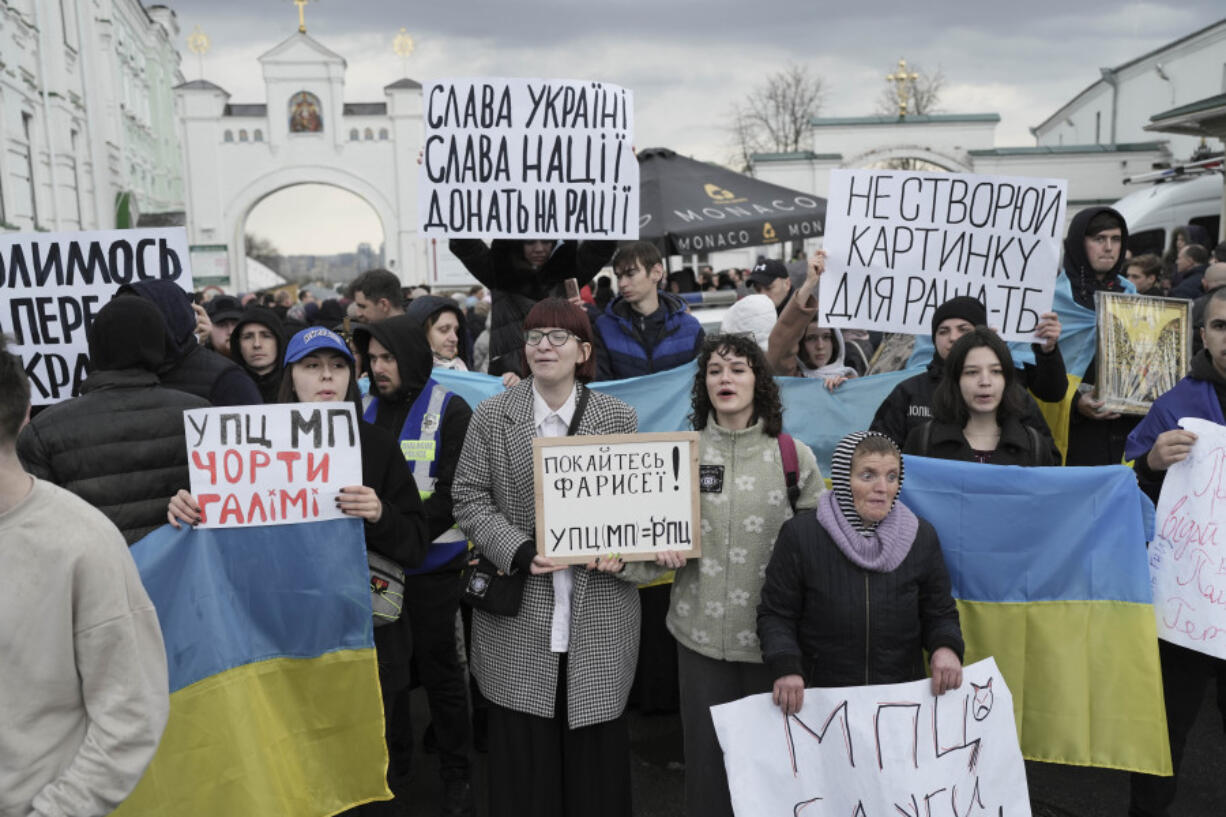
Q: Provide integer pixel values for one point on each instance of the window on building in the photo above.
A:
(1098, 127)
(257, 136)
(26, 126)
(353, 135)
(242, 135)
(368, 134)
(382, 134)
(228, 136)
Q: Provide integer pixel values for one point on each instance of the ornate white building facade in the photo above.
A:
(88, 138)
(304, 132)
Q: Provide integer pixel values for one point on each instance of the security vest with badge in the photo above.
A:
(420, 442)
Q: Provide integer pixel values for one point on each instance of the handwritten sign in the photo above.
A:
(879, 751)
(52, 285)
(1187, 562)
(520, 158)
(903, 243)
(271, 465)
(627, 494)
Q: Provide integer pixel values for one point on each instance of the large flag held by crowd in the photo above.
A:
(275, 704)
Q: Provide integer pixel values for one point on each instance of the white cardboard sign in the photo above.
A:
(1187, 562)
(271, 465)
(528, 158)
(901, 243)
(878, 751)
(53, 284)
(631, 495)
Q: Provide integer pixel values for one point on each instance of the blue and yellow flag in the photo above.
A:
(1049, 569)
(275, 706)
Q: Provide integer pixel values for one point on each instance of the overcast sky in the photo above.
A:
(688, 62)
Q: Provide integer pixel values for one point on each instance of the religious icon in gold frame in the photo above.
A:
(1144, 349)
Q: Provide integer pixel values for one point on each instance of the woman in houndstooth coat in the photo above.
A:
(557, 674)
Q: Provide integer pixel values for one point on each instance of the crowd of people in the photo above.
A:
(798, 585)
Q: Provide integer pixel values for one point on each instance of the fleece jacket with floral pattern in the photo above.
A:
(714, 605)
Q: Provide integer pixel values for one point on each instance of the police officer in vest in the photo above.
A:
(430, 423)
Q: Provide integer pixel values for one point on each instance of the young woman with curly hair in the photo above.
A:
(737, 409)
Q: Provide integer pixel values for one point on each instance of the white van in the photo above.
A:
(1154, 211)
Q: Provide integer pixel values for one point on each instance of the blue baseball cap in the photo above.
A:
(315, 339)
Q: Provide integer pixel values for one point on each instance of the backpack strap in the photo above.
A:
(791, 467)
(926, 440)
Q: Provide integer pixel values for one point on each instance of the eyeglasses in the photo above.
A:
(557, 337)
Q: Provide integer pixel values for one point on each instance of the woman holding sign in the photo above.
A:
(855, 593)
(752, 478)
(320, 369)
(555, 654)
(978, 407)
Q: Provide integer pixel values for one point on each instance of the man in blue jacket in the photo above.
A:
(643, 330)
(1155, 445)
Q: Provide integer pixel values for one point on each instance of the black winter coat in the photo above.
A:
(400, 535)
(516, 287)
(1018, 444)
(836, 624)
(119, 446)
(909, 405)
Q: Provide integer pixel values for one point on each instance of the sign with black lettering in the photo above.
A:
(52, 285)
(627, 495)
(528, 158)
(902, 243)
(271, 465)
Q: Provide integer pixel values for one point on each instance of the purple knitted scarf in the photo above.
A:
(880, 550)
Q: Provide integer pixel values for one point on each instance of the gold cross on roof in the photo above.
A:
(301, 4)
(903, 85)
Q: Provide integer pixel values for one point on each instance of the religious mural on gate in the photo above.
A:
(304, 115)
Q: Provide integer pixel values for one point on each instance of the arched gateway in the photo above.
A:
(304, 132)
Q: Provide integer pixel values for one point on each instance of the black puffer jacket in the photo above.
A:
(516, 287)
(909, 405)
(1019, 445)
(189, 366)
(837, 624)
(119, 446)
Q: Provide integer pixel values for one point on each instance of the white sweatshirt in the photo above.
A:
(83, 683)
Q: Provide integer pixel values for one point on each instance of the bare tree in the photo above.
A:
(777, 116)
(923, 94)
(262, 250)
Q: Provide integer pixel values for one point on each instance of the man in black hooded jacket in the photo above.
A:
(1093, 261)
(119, 445)
(258, 345)
(430, 422)
(187, 366)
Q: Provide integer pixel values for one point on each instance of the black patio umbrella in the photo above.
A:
(688, 206)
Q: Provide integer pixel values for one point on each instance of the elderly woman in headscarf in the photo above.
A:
(857, 591)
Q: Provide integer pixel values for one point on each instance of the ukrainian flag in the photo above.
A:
(1049, 569)
(275, 706)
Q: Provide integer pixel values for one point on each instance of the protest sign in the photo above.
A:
(271, 465)
(52, 285)
(522, 158)
(878, 751)
(1187, 564)
(902, 243)
(630, 495)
